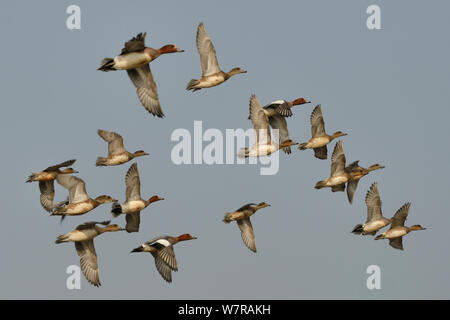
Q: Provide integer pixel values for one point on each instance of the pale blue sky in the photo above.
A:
(388, 89)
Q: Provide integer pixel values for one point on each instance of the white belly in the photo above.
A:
(212, 81)
(373, 226)
(130, 61)
(262, 150)
(395, 233)
(82, 235)
(118, 159)
(78, 208)
(317, 142)
(336, 180)
(133, 206)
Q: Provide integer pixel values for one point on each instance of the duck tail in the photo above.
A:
(107, 65)
(31, 177)
(227, 217)
(320, 185)
(192, 85)
(358, 229)
(62, 238)
(116, 209)
(302, 146)
(100, 162)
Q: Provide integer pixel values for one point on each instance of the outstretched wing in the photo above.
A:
(248, 236)
(208, 58)
(47, 189)
(400, 216)
(88, 225)
(147, 92)
(260, 121)
(351, 189)
(317, 123)
(338, 160)
(115, 141)
(396, 243)
(163, 269)
(76, 187)
(88, 261)
(133, 221)
(279, 122)
(321, 152)
(60, 165)
(373, 203)
(133, 184)
(135, 44)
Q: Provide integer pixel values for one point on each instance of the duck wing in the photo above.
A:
(400, 216)
(338, 160)
(147, 92)
(351, 189)
(281, 107)
(321, 153)
(279, 122)
(245, 207)
(133, 184)
(164, 270)
(90, 224)
(115, 141)
(88, 261)
(260, 121)
(133, 221)
(60, 165)
(168, 256)
(76, 187)
(396, 243)
(247, 234)
(208, 57)
(47, 190)
(135, 44)
(317, 123)
(373, 203)
(354, 166)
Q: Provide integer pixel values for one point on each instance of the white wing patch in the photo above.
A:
(164, 242)
(277, 102)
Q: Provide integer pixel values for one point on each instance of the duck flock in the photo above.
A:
(135, 58)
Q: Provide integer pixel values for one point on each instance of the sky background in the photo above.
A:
(388, 89)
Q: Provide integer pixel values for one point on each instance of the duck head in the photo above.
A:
(169, 48)
(185, 237)
(299, 101)
(155, 198)
(338, 134)
(263, 205)
(416, 227)
(112, 228)
(236, 71)
(140, 153)
(375, 167)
